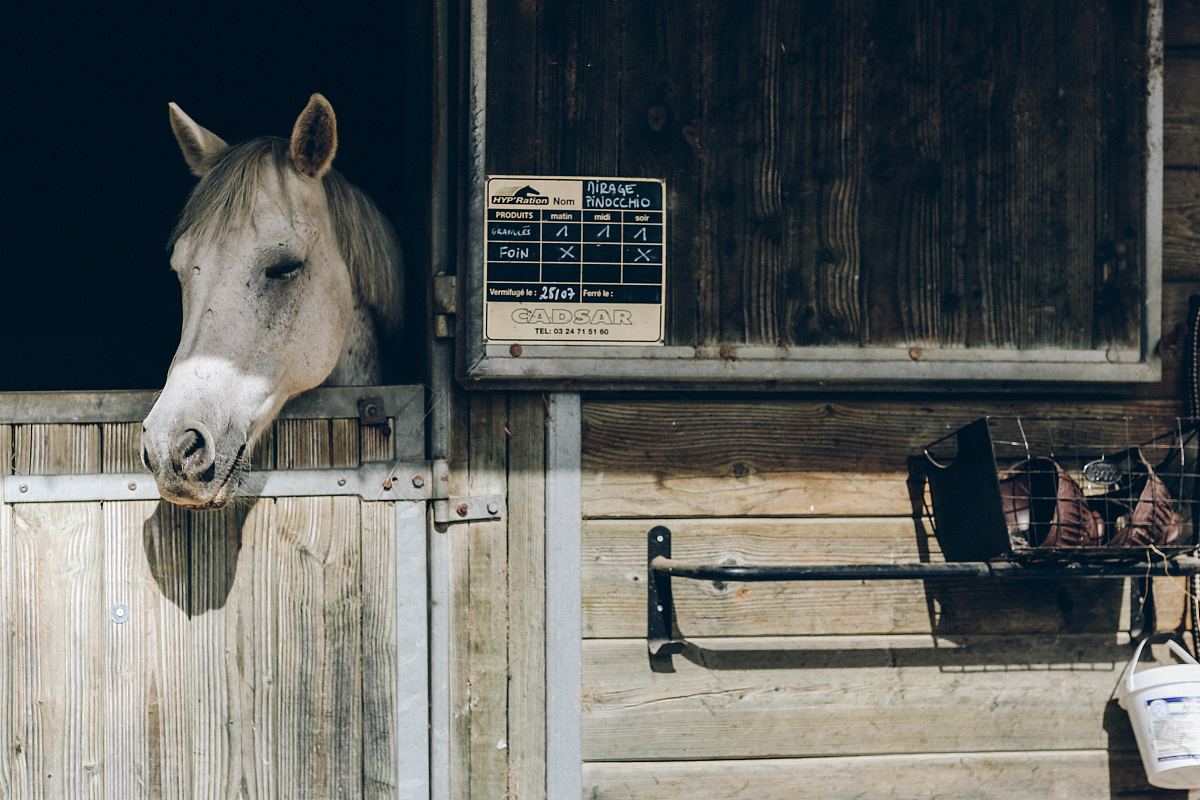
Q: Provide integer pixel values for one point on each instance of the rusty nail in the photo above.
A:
(387, 485)
(914, 353)
(461, 509)
(132, 486)
(515, 350)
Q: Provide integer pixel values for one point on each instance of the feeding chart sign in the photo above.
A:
(575, 260)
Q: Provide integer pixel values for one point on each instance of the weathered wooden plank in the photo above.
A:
(165, 540)
(130, 706)
(315, 588)
(527, 597)
(741, 180)
(221, 731)
(58, 647)
(56, 449)
(485, 607)
(1181, 23)
(693, 457)
(1181, 224)
(262, 455)
(849, 695)
(1181, 112)
(379, 651)
(7, 607)
(660, 137)
(512, 84)
(122, 447)
(302, 443)
(614, 585)
(830, 264)
(257, 603)
(344, 438)
(316, 583)
(460, 620)
(979, 776)
(577, 98)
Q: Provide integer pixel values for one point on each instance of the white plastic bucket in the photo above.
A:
(1164, 709)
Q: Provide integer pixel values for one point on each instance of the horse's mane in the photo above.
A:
(366, 240)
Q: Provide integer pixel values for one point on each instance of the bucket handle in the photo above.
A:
(1182, 654)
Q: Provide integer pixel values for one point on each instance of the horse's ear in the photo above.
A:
(200, 146)
(314, 138)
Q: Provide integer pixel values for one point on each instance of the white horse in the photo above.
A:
(291, 278)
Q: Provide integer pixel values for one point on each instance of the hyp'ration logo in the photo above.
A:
(522, 196)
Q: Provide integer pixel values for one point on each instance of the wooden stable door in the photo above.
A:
(276, 648)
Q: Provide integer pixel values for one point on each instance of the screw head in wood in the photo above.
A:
(119, 613)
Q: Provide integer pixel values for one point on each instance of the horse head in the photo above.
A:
(288, 274)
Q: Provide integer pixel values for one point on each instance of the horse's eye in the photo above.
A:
(284, 269)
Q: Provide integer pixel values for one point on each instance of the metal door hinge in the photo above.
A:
(470, 508)
(445, 305)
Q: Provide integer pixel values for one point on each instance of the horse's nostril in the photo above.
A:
(193, 441)
(192, 456)
(146, 462)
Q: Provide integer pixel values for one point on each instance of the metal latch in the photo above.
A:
(471, 508)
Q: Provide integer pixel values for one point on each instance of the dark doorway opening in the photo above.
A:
(95, 179)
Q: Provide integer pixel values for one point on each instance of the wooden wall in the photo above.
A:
(856, 173)
(949, 689)
(259, 650)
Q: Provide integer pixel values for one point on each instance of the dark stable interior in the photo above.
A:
(95, 179)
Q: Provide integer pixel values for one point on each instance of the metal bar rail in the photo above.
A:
(663, 640)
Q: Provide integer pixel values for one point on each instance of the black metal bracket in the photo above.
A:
(660, 607)
(663, 638)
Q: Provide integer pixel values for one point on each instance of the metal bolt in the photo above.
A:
(24, 487)
(387, 485)
(341, 481)
(461, 509)
(660, 538)
(493, 508)
(515, 350)
(418, 481)
(119, 613)
(659, 609)
(371, 410)
(133, 486)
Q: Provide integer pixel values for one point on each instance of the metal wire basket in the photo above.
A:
(1064, 488)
